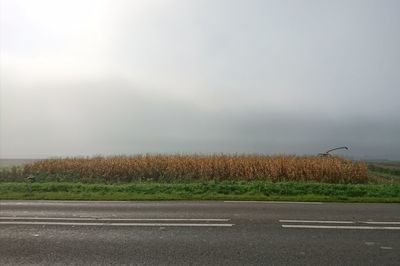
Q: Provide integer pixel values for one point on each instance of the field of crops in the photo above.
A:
(175, 168)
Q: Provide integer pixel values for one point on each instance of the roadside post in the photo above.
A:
(30, 179)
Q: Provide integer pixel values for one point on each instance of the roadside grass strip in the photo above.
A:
(356, 225)
(234, 191)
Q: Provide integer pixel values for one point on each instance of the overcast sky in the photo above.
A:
(126, 77)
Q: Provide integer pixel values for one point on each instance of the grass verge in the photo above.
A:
(212, 190)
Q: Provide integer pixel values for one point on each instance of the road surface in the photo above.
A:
(198, 233)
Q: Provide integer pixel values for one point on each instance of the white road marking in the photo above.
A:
(339, 222)
(272, 202)
(119, 224)
(386, 248)
(316, 221)
(115, 219)
(342, 227)
(380, 222)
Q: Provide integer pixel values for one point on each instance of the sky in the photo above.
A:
(111, 77)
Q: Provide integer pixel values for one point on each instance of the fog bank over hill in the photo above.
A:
(271, 77)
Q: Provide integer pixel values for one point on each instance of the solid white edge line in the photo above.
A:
(316, 221)
(272, 202)
(341, 227)
(119, 224)
(113, 219)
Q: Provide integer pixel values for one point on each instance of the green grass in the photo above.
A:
(212, 190)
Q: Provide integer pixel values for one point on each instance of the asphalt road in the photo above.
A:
(198, 233)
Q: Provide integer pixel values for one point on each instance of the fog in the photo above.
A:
(126, 77)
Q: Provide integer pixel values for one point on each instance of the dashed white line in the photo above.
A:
(341, 227)
(316, 221)
(371, 222)
(272, 202)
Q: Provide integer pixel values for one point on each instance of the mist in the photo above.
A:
(81, 78)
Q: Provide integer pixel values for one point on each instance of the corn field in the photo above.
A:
(170, 168)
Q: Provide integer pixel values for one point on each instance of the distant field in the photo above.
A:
(183, 168)
(382, 171)
(15, 162)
